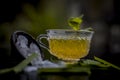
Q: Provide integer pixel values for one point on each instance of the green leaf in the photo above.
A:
(20, 66)
(75, 22)
(107, 63)
(89, 29)
(24, 63)
(89, 62)
(6, 70)
(77, 69)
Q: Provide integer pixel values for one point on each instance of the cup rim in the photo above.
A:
(83, 30)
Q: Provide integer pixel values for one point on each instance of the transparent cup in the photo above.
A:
(67, 45)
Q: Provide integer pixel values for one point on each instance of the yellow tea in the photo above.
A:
(69, 49)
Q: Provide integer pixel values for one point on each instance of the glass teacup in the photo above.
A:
(68, 45)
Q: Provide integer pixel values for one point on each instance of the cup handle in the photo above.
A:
(39, 38)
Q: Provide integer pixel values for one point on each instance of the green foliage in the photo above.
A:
(21, 66)
(72, 69)
(89, 62)
(24, 63)
(5, 70)
(75, 22)
(39, 21)
(89, 29)
(84, 66)
(107, 63)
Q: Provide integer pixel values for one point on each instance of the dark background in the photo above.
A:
(102, 15)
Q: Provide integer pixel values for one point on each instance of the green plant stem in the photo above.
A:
(105, 62)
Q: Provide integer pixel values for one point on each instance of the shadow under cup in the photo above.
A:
(68, 45)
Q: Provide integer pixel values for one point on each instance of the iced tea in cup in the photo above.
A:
(68, 45)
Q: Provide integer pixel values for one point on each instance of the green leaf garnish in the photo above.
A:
(89, 29)
(75, 22)
(107, 63)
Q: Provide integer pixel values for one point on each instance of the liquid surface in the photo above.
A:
(69, 49)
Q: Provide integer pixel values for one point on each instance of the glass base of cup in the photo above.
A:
(71, 61)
